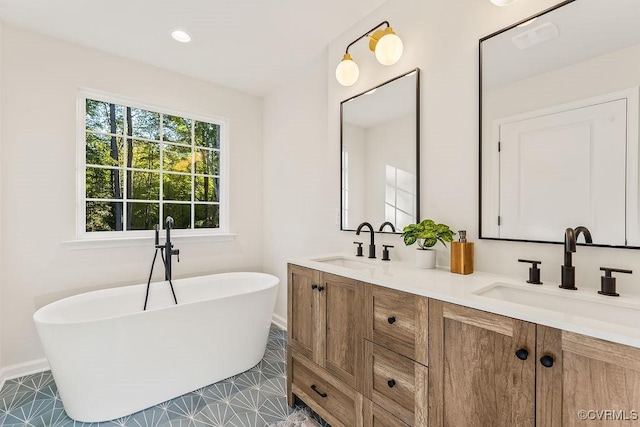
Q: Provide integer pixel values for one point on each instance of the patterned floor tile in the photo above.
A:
(247, 419)
(216, 414)
(220, 392)
(255, 398)
(275, 387)
(275, 409)
(152, 417)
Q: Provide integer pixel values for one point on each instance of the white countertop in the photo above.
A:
(459, 289)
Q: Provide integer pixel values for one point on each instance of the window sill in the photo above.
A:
(146, 241)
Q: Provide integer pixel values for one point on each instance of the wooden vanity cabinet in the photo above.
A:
(347, 379)
(475, 378)
(586, 374)
(325, 346)
(486, 369)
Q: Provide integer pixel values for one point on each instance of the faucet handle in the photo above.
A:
(385, 252)
(534, 271)
(608, 282)
(359, 248)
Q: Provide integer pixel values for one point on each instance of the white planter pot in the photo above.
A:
(426, 258)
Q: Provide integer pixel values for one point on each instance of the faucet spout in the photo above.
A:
(384, 224)
(568, 270)
(372, 246)
(585, 232)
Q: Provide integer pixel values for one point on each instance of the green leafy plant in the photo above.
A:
(427, 233)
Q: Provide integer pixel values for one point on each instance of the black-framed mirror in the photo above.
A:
(379, 154)
(559, 109)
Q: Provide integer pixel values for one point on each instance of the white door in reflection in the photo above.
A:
(564, 170)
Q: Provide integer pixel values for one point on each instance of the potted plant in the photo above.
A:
(426, 233)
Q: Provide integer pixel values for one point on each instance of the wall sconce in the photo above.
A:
(503, 2)
(386, 45)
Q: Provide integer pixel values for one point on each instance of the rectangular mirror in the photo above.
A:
(379, 140)
(559, 125)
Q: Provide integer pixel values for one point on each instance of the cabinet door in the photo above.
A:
(475, 377)
(303, 311)
(590, 382)
(343, 329)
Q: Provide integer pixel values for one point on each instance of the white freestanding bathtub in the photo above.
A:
(109, 358)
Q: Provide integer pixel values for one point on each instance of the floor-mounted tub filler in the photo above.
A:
(109, 358)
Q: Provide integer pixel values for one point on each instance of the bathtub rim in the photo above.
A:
(38, 316)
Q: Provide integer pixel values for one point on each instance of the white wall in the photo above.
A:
(40, 80)
(298, 218)
(441, 38)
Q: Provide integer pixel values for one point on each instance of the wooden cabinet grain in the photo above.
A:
(487, 369)
(475, 379)
(325, 318)
(590, 382)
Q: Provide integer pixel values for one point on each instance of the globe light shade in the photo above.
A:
(347, 71)
(503, 2)
(389, 48)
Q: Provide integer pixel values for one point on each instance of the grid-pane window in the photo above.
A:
(141, 166)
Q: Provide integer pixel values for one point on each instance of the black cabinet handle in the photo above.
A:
(546, 361)
(320, 288)
(313, 387)
(391, 320)
(314, 286)
(522, 354)
(391, 383)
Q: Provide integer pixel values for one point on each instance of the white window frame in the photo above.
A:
(223, 173)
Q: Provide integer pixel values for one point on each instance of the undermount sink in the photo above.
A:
(346, 263)
(590, 306)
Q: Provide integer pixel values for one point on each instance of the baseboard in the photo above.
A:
(21, 369)
(279, 321)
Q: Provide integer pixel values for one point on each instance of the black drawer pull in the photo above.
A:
(320, 288)
(314, 286)
(391, 320)
(313, 387)
(391, 383)
(522, 354)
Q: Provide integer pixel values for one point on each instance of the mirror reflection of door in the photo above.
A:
(565, 169)
(379, 155)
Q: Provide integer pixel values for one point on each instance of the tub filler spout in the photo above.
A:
(166, 253)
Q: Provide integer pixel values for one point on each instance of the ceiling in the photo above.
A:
(250, 45)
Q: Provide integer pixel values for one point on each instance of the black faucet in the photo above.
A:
(568, 270)
(372, 246)
(168, 250)
(384, 224)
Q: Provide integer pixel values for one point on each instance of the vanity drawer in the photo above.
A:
(334, 401)
(398, 321)
(375, 416)
(396, 383)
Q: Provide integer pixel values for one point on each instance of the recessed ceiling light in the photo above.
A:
(181, 36)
